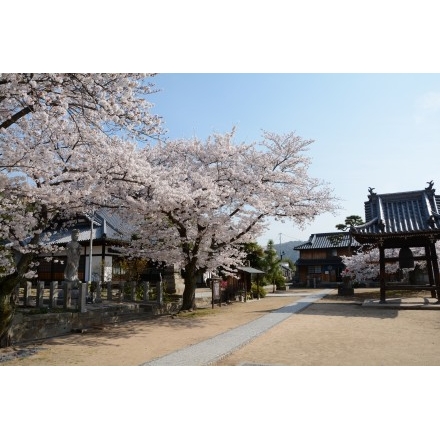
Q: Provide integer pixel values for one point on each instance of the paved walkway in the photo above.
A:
(213, 349)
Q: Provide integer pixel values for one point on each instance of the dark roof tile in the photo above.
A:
(327, 240)
(410, 211)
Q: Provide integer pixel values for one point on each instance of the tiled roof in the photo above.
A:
(327, 240)
(105, 225)
(410, 211)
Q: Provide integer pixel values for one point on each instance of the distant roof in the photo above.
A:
(248, 269)
(105, 225)
(402, 212)
(327, 240)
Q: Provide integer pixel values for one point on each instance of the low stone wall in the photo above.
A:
(28, 327)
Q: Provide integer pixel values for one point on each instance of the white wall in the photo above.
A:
(97, 268)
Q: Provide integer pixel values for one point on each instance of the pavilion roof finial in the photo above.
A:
(430, 186)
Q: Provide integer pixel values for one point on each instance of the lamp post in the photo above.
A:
(91, 252)
(91, 245)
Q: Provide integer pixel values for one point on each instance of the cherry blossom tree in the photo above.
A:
(201, 200)
(64, 140)
(364, 264)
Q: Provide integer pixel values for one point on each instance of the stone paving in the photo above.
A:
(213, 349)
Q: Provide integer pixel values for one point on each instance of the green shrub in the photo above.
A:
(258, 290)
(280, 281)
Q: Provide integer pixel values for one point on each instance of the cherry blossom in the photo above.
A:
(201, 200)
(364, 265)
(65, 141)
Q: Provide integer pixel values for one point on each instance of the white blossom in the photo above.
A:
(201, 200)
(61, 146)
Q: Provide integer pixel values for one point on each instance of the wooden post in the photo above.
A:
(245, 287)
(435, 269)
(109, 291)
(382, 273)
(429, 268)
(258, 286)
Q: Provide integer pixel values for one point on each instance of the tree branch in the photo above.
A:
(13, 119)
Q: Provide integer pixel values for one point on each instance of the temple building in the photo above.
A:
(320, 257)
(403, 221)
(101, 259)
(99, 242)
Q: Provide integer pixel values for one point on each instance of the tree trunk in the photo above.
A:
(189, 293)
(7, 302)
(7, 307)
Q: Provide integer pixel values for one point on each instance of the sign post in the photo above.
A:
(215, 286)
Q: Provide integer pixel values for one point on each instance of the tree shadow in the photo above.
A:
(366, 303)
(349, 310)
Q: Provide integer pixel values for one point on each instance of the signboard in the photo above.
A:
(216, 291)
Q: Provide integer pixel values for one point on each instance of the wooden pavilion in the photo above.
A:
(403, 221)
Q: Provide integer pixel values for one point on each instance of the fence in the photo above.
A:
(68, 294)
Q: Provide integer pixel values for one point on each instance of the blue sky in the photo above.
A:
(378, 130)
(370, 129)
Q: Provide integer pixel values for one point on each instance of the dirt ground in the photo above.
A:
(334, 331)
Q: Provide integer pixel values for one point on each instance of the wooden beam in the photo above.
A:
(430, 271)
(396, 259)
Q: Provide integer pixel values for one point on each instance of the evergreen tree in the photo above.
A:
(255, 255)
(274, 274)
